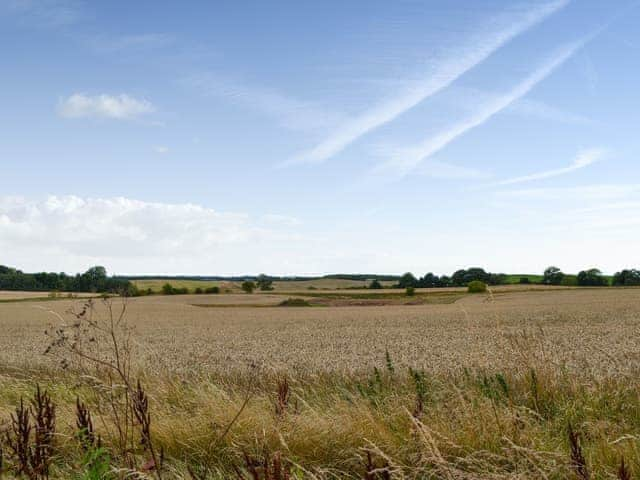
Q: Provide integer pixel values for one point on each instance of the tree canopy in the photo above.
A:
(552, 276)
(592, 278)
(93, 280)
(627, 278)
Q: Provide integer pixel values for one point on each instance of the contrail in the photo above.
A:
(584, 159)
(407, 159)
(456, 65)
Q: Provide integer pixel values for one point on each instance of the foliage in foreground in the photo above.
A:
(477, 287)
(100, 417)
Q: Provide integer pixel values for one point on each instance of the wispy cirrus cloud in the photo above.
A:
(544, 111)
(467, 99)
(449, 171)
(582, 160)
(457, 62)
(102, 43)
(581, 193)
(44, 13)
(432, 168)
(120, 107)
(290, 112)
(406, 159)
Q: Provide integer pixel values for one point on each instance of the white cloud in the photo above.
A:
(457, 62)
(582, 160)
(69, 233)
(161, 149)
(406, 159)
(118, 107)
(133, 235)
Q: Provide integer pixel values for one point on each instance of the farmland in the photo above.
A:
(155, 284)
(442, 389)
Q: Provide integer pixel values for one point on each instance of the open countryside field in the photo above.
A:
(481, 383)
(183, 327)
(155, 284)
(10, 296)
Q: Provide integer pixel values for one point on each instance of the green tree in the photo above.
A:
(408, 280)
(627, 278)
(375, 285)
(264, 283)
(477, 286)
(248, 286)
(552, 276)
(592, 278)
(569, 281)
(429, 281)
(462, 278)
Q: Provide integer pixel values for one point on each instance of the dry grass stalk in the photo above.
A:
(578, 462)
(43, 411)
(101, 349)
(282, 401)
(32, 443)
(18, 439)
(267, 468)
(623, 471)
(143, 416)
(84, 425)
(373, 472)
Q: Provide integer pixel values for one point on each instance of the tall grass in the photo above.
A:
(529, 418)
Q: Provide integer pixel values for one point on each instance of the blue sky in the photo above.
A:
(306, 138)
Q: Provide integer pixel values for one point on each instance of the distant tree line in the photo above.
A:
(591, 277)
(460, 278)
(93, 280)
(96, 280)
(627, 278)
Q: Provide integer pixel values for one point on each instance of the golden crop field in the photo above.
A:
(479, 386)
(156, 284)
(18, 295)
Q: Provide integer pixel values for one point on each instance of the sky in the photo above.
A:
(305, 138)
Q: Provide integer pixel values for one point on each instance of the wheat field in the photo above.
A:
(482, 387)
(155, 284)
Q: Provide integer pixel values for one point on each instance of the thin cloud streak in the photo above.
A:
(584, 159)
(126, 43)
(580, 194)
(466, 98)
(405, 160)
(445, 74)
(290, 112)
(44, 13)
